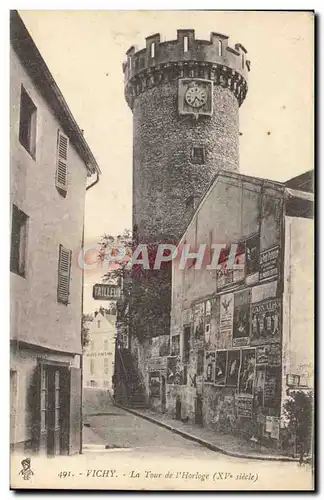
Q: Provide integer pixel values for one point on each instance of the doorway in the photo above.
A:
(199, 410)
(53, 416)
(163, 393)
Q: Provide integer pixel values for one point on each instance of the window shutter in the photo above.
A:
(61, 166)
(63, 288)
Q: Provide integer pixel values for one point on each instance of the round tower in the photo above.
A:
(185, 96)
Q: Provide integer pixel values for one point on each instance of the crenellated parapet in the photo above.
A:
(186, 57)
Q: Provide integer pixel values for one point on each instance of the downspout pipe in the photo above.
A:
(82, 309)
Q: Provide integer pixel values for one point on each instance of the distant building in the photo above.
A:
(50, 164)
(99, 355)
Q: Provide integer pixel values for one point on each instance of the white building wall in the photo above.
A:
(298, 302)
(36, 316)
(99, 357)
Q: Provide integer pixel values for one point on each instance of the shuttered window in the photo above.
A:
(64, 268)
(61, 166)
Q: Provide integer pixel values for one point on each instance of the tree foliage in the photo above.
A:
(299, 414)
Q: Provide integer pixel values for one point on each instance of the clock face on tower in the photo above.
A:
(196, 96)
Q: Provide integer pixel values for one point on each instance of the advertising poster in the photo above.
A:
(252, 254)
(175, 345)
(268, 355)
(265, 322)
(259, 387)
(239, 262)
(210, 358)
(199, 316)
(155, 351)
(154, 382)
(224, 275)
(275, 431)
(247, 372)
(226, 319)
(173, 370)
(233, 367)
(272, 387)
(220, 367)
(269, 263)
(241, 318)
(268, 427)
(244, 405)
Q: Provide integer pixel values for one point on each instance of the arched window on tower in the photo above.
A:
(220, 48)
(185, 44)
(152, 50)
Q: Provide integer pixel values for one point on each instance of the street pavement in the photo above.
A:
(134, 440)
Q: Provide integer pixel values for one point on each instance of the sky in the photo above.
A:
(84, 51)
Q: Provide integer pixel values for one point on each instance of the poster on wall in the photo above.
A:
(224, 275)
(269, 263)
(220, 367)
(155, 350)
(268, 354)
(259, 387)
(265, 322)
(272, 387)
(173, 370)
(247, 371)
(275, 431)
(226, 318)
(210, 358)
(233, 367)
(154, 384)
(252, 255)
(199, 316)
(175, 345)
(239, 262)
(241, 318)
(244, 405)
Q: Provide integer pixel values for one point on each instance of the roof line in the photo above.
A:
(32, 60)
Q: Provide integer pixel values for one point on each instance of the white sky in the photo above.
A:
(84, 50)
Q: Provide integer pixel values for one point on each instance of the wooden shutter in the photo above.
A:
(75, 411)
(64, 269)
(61, 166)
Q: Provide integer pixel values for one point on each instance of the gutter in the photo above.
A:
(93, 183)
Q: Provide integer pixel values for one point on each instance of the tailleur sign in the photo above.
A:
(103, 291)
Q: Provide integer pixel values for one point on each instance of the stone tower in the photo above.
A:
(185, 96)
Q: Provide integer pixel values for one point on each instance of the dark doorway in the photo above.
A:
(163, 393)
(178, 408)
(199, 410)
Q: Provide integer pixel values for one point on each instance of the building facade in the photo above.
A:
(99, 355)
(242, 332)
(50, 163)
(185, 96)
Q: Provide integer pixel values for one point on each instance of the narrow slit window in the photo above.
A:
(152, 50)
(198, 155)
(243, 61)
(220, 48)
(185, 44)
